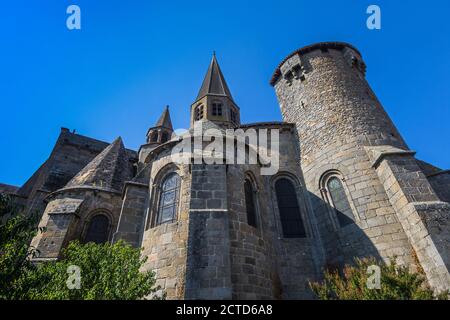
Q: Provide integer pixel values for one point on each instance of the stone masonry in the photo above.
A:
(347, 186)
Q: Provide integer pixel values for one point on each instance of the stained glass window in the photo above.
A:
(341, 204)
(168, 200)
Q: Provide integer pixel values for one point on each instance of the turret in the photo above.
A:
(322, 89)
(162, 131)
(214, 101)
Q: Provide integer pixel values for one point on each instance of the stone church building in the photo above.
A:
(347, 186)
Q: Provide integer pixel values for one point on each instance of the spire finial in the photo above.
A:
(214, 53)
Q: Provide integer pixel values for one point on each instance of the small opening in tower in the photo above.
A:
(233, 116)
(198, 112)
(324, 50)
(154, 137)
(165, 137)
(216, 109)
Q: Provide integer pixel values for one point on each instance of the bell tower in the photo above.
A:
(162, 131)
(214, 101)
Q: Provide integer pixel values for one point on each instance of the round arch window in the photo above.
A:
(98, 229)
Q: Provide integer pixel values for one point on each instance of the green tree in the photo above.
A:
(15, 236)
(107, 272)
(396, 283)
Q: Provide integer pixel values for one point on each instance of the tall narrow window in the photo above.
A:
(250, 202)
(340, 201)
(98, 229)
(198, 113)
(164, 137)
(216, 109)
(291, 219)
(168, 199)
(154, 137)
(233, 116)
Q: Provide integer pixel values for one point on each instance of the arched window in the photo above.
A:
(168, 199)
(291, 219)
(164, 137)
(98, 229)
(154, 137)
(198, 112)
(216, 109)
(340, 201)
(250, 204)
(233, 116)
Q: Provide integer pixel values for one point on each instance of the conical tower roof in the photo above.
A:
(164, 120)
(214, 82)
(108, 170)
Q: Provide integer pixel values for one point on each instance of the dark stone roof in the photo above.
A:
(307, 49)
(164, 120)
(8, 189)
(427, 168)
(108, 170)
(214, 82)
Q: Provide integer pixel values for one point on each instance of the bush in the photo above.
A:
(396, 283)
(15, 236)
(107, 271)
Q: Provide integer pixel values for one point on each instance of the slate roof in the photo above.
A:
(108, 170)
(214, 82)
(164, 120)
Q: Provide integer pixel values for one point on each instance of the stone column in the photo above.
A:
(425, 219)
(208, 271)
(132, 216)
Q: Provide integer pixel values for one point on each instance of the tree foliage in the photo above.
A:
(396, 283)
(15, 236)
(107, 271)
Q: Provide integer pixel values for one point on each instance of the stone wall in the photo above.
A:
(63, 222)
(165, 245)
(208, 271)
(323, 91)
(441, 184)
(133, 213)
(264, 264)
(423, 216)
(251, 254)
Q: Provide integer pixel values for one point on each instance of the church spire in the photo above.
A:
(164, 120)
(214, 82)
(162, 131)
(214, 101)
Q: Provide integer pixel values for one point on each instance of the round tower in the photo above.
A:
(322, 89)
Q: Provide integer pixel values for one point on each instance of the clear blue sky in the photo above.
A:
(131, 58)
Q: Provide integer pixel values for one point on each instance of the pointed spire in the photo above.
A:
(108, 170)
(164, 120)
(214, 82)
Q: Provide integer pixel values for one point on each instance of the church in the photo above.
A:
(347, 185)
